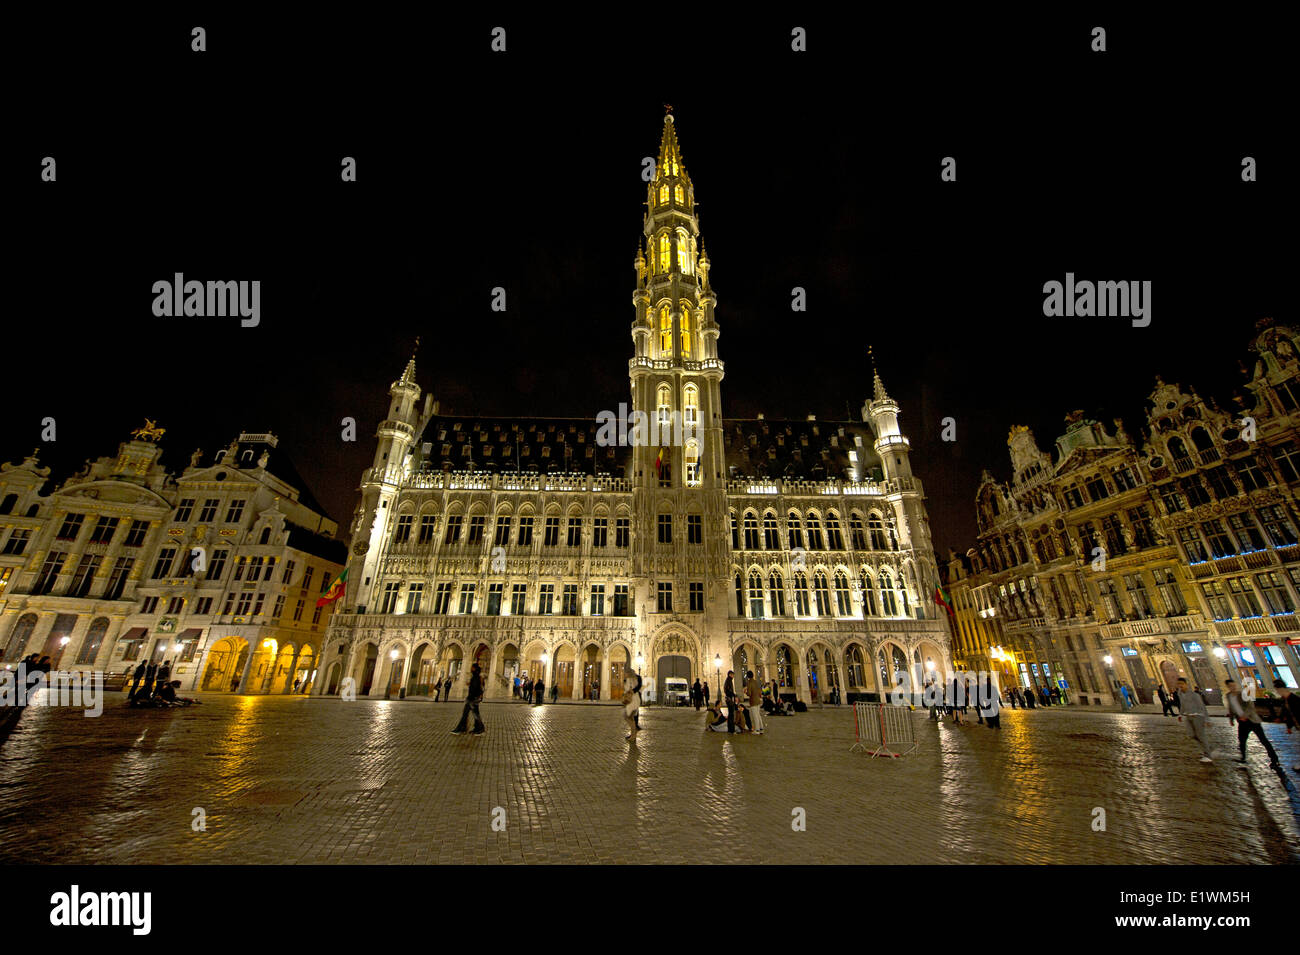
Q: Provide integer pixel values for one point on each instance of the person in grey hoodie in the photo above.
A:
(1191, 705)
(1242, 712)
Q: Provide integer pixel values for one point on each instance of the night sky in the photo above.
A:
(523, 171)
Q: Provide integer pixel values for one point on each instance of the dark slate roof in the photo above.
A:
(776, 448)
(795, 449)
(540, 445)
(318, 545)
(281, 466)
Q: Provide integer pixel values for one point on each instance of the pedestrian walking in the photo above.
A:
(1125, 696)
(1166, 702)
(697, 693)
(515, 691)
(555, 692)
(472, 700)
(632, 704)
(1242, 712)
(446, 689)
(1290, 709)
(706, 693)
(729, 694)
(150, 675)
(755, 694)
(1056, 696)
(1191, 704)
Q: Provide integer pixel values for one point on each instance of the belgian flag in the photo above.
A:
(942, 598)
(336, 589)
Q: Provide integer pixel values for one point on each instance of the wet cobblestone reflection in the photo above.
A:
(287, 780)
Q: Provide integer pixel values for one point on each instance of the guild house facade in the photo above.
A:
(796, 548)
(1123, 560)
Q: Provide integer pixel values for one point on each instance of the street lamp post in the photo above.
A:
(546, 662)
(388, 690)
(717, 679)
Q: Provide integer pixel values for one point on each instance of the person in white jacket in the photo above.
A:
(632, 704)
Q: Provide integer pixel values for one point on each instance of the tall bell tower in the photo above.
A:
(675, 377)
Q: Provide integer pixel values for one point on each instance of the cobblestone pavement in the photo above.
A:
(292, 779)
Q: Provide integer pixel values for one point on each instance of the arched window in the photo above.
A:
(678, 196)
(796, 534)
(7, 505)
(686, 332)
(663, 194)
(856, 533)
(94, 639)
(19, 635)
(777, 585)
(266, 536)
(855, 672)
(751, 531)
(771, 540)
(691, 460)
(891, 528)
(740, 598)
(784, 666)
(877, 529)
(888, 603)
(1176, 448)
(665, 332)
(822, 589)
(690, 404)
(664, 410)
(868, 598)
(755, 595)
(814, 532)
(801, 594)
(834, 538)
(665, 253)
(684, 252)
(843, 605)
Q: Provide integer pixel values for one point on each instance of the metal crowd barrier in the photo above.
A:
(885, 726)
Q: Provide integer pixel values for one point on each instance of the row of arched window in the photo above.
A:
(666, 332)
(662, 251)
(808, 531)
(827, 597)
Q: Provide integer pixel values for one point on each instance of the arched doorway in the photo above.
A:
(366, 669)
(855, 672)
(785, 667)
(305, 671)
(283, 671)
(672, 666)
(508, 666)
(744, 657)
(225, 664)
(534, 667)
(332, 682)
(620, 662)
(892, 664)
(565, 659)
(591, 672)
(453, 659)
(819, 676)
(420, 674)
(1169, 673)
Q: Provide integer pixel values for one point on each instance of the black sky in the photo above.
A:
(523, 171)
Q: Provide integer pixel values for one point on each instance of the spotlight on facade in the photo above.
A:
(392, 654)
(1108, 659)
(177, 648)
(64, 641)
(1220, 652)
(640, 660)
(929, 664)
(546, 658)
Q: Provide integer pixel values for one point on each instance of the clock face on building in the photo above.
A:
(360, 547)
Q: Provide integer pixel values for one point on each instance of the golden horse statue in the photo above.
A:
(150, 431)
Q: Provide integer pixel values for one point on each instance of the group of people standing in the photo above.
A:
(959, 696)
(1031, 696)
(152, 686)
(533, 691)
(738, 719)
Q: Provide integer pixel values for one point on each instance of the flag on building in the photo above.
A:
(659, 463)
(336, 589)
(942, 598)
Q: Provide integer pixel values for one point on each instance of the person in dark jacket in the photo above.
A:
(1030, 700)
(138, 676)
(706, 692)
(729, 694)
(1290, 710)
(697, 693)
(150, 675)
(472, 700)
(1166, 704)
(446, 689)
(539, 691)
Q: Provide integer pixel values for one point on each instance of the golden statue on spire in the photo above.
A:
(150, 431)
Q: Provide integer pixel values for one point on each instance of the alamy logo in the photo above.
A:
(74, 689)
(639, 429)
(102, 908)
(207, 299)
(1085, 299)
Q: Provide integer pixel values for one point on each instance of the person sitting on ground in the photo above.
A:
(167, 695)
(715, 720)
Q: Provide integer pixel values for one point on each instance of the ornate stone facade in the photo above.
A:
(796, 548)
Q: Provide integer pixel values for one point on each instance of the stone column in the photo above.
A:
(579, 667)
(293, 670)
(604, 674)
(248, 668)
